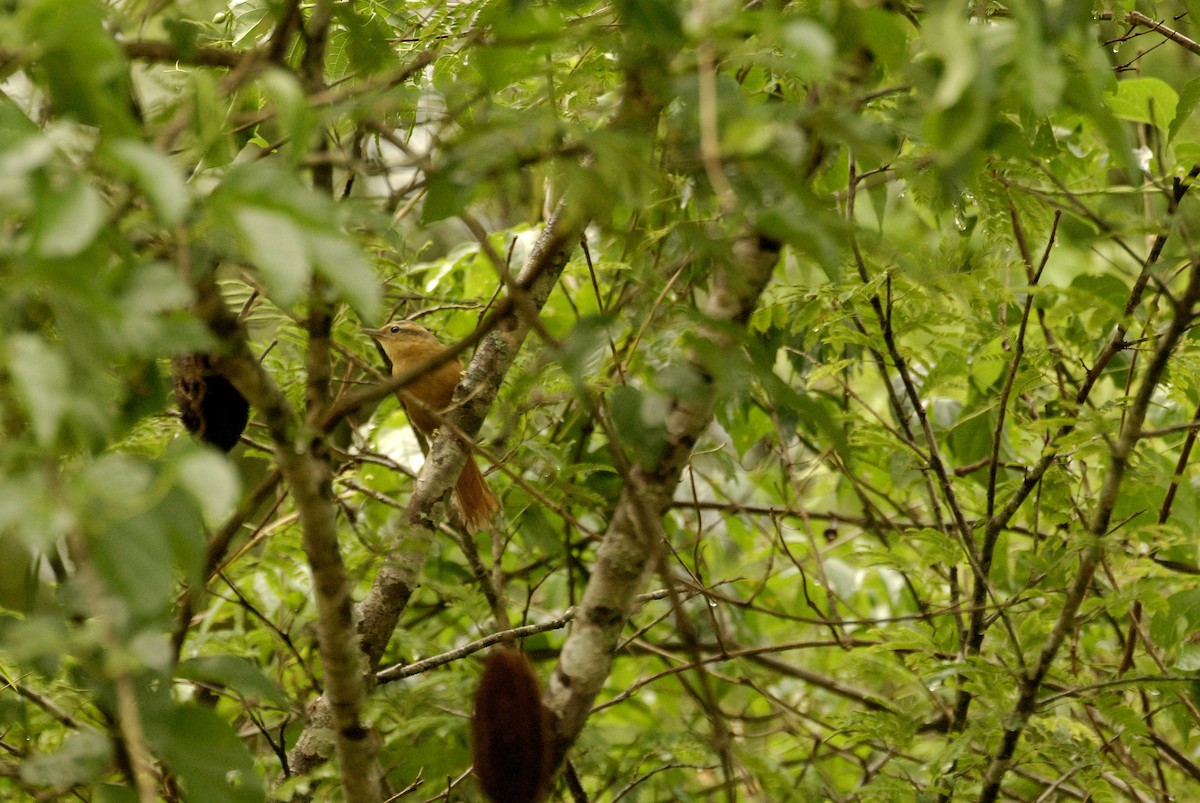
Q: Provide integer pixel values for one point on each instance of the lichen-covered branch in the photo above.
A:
(624, 561)
(400, 574)
(481, 382)
(300, 465)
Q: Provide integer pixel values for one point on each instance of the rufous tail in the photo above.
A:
(475, 500)
(510, 732)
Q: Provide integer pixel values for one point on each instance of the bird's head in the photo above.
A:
(405, 343)
(401, 332)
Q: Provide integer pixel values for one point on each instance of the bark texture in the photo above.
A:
(625, 560)
(306, 473)
(400, 573)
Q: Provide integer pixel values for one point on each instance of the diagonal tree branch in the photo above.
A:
(624, 562)
(481, 383)
(400, 575)
(1137, 18)
(306, 476)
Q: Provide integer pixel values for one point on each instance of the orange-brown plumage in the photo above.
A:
(408, 345)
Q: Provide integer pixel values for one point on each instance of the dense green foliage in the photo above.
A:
(946, 510)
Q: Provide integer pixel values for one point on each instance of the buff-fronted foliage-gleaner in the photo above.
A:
(409, 345)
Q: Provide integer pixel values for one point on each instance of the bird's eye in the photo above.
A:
(394, 330)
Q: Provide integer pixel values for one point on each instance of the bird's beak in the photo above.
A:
(371, 333)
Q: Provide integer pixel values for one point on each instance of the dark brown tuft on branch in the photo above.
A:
(511, 731)
(211, 408)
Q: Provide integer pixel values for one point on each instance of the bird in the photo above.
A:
(409, 345)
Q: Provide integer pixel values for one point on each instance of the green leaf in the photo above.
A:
(233, 673)
(128, 515)
(18, 576)
(133, 558)
(341, 263)
(1182, 618)
(953, 42)
(883, 33)
(1144, 100)
(1189, 658)
(817, 417)
(84, 68)
(988, 363)
(114, 486)
(295, 117)
(748, 425)
(535, 529)
(444, 197)
(107, 793)
(289, 231)
(68, 221)
(23, 150)
(790, 222)
(211, 480)
(277, 247)
(37, 640)
(155, 175)
(183, 34)
(84, 756)
(581, 347)
(681, 382)
(210, 761)
(42, 381)
(16, 126)
(639, 419)
(214, 142)
(1188, 99)
(368, 42)
(810, 49)
(655, 21)
(1187, 152)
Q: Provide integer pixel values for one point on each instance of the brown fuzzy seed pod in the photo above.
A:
(211, 408)
(511, 731)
